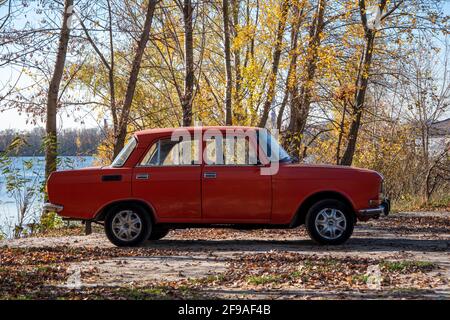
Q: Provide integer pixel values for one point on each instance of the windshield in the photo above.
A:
(124, 154)
(268, 142)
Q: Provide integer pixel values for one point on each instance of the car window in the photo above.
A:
(268, 142)
(235, 150)
(123, 155)
(166, 152)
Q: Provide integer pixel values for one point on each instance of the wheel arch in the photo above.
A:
(101, 213)
(300, 214)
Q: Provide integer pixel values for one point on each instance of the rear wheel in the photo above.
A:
(158, 233)
(128, 225)
(329, 222)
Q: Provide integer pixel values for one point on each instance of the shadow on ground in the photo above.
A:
(354, 244)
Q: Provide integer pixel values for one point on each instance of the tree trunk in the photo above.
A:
(87, 227)
(362, 81)
(189, 64)
(238, 112)
(292, 72)
(301, 98)
(360, 94)
(283, 104)
(341, 133)
(112, 89)
(275, 63)
(132, 80)
(53, 91)
(229, 77)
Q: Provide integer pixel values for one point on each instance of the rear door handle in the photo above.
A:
(142, 176)
(210, 175)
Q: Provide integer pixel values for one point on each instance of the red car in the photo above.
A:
(235, 177)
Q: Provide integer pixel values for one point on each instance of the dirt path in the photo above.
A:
(405, 255)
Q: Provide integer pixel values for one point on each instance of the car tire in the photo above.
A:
(329, 222)
(158, 233)
(128, 225)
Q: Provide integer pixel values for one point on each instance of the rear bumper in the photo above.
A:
(50, 207)
(384, 208)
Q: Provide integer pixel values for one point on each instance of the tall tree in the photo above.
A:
(301, 97)
(53, 91)
(227, 49)
(237, 109)
(291, 78)
(188, 95)
(275, 63)
(133, 77)
(362, 80)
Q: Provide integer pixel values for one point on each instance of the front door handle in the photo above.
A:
(210, 175)
(142, 176)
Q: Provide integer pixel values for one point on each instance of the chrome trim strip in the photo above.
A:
(372, 211)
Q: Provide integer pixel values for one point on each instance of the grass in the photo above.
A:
(322, 265)
(439, 203)
(299, 274)
(264, 279)
(44, 268)
(211, 279)
(407, 266)
(416, 203)
(360, 278)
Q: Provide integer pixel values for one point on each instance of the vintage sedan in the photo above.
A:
(237, 177)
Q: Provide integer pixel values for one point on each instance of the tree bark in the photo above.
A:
(229, 77)
(112, 89)
(360, 94)
(292, 72)
(301, 97)
(238, 112)
(189, 64)
(132, 80)
(341, 134)
(362, 81)
(275, 63)
(53, 91)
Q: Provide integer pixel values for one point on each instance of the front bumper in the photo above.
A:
(50, 207)
(384, 208)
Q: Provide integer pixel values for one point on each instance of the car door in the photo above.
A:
(233, 189)
(170, 181)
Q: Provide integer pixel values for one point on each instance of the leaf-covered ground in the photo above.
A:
(404, 256)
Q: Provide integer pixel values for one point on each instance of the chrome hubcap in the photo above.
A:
(126, 225)
(330, 223)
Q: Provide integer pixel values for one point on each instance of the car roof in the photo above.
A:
(145, 134)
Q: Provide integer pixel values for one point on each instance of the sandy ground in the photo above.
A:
(207, 252)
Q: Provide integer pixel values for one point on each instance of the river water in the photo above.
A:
(33, 177)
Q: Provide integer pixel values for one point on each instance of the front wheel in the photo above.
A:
(158, 233)
(329, 222)
(128, 225)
